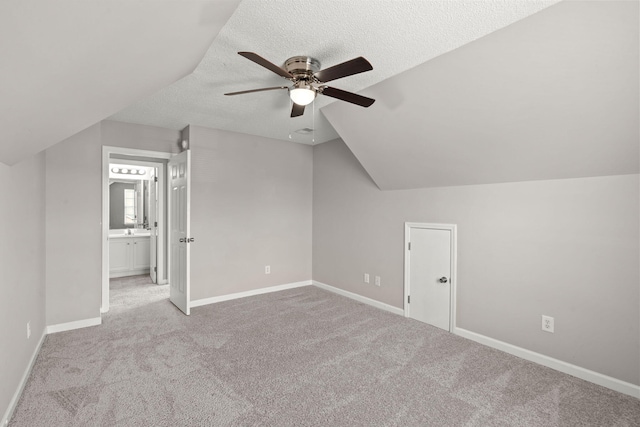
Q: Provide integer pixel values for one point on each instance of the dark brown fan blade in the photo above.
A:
(266, 64)
(351, 97)
(256, 90)
(297, 110)
(349, 68)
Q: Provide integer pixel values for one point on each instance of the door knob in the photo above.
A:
(442, 280)
(182, 240)
(191, 240)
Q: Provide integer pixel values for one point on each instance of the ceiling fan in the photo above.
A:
(308, 79)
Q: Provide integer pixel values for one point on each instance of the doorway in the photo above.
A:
(430, 274)
(140, 245)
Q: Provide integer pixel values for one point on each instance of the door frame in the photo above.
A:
(452, 228)
(107, 151)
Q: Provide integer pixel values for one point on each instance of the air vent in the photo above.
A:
(304, 131)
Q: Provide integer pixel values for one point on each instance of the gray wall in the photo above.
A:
(73, 230)
(126, 135)
(116, 204)
(74, 214)
(22, 269)
(250, 207)
(565, 248)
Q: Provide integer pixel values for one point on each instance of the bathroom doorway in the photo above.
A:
(134, 216)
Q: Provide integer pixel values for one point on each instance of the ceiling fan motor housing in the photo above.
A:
(302, 67)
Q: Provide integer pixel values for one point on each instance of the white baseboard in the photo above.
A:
(550, 362)
(213, 300)
(61, 327)
(23, 382)
(360, 298)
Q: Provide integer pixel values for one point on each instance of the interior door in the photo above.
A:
(430, 276)
(153, 225)
(179, 180)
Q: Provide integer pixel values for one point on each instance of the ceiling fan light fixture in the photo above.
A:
(302, 94)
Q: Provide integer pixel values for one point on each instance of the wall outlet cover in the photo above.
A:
(547, 323)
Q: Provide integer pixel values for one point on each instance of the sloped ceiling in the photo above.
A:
(555, 95)
(393, 35)
(67, 64)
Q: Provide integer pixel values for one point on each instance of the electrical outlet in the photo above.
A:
(28, 330)
(267, 269)
(547, 323)
(377, 280)
(366, 277)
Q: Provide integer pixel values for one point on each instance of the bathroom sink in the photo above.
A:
(129, 232)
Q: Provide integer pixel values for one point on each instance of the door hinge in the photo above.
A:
(155, 269)
(409, 245)
(155, 179)
(408, 299)
(155, 224)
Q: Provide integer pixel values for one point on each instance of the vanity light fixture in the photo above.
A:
(127, 171)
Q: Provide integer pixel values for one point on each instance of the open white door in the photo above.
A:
(153, 225)
(179, 241)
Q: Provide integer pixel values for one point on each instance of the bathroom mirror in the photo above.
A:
(128, 204)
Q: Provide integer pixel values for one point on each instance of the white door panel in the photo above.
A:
(179, 180)
(430, 276)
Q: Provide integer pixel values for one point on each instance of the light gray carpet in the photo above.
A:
(301, 357)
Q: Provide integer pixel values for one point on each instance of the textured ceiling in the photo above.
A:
(394, 35)
(553, 96)
(67, 64)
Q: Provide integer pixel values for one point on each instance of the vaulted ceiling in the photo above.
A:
(394, 35)
(467, 91)
(68, 64)
(553, 96)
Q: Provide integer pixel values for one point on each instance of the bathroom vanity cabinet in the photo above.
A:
(128, 255)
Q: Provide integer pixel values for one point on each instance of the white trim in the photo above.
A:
(213, 300)
(550, 362)
(23, 382)
(452, 228)
(106, 154)
(61, 327)
(359, 298)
